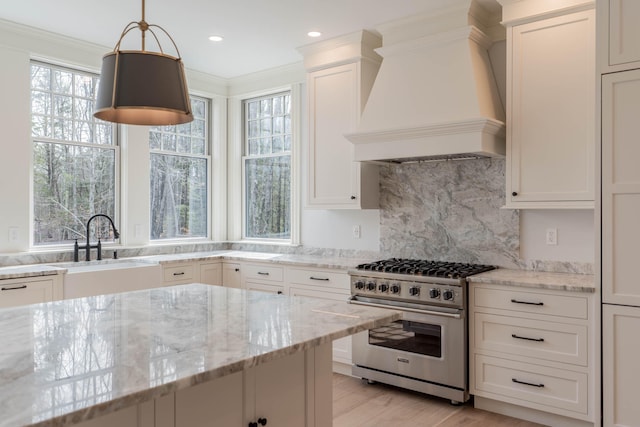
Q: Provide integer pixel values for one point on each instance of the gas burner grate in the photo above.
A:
(452, 270)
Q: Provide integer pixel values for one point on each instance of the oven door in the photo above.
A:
(428, 344)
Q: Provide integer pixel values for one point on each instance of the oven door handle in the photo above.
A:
(412, 310)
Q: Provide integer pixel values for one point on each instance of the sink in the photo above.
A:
(89, 278)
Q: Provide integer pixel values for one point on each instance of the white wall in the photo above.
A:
(575, 235)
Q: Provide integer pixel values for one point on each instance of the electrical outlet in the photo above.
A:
(356, 231)
(14, 234)
(552, 236)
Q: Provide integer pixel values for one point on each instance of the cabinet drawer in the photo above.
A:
(179, 273)
(532, 338)
(262, 272)
(554, 304)
(532, 385)
(322, 278)
(14, 293)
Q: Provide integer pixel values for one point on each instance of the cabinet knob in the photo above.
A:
(253, 424)
(353, 197)
(236, 269)
(262, 421)
(514, 194)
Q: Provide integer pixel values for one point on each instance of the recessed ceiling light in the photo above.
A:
(314, 33)
(216, 38)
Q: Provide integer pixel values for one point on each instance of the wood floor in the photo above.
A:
(356, 403)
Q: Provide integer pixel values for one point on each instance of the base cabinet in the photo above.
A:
(533, 349)
(620, 356)
(211, 273)
(15, 292)
(231, 275)
(294, 390)
(325, 284)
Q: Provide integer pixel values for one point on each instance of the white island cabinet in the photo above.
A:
(179, 356)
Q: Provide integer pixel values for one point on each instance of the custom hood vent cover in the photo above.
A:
(435, 96)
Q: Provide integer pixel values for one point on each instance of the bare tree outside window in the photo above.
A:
(74, 156)
(267, 167)
(179, 170)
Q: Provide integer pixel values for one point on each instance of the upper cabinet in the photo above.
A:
(550, 104)
(340, 75)
(620, 32)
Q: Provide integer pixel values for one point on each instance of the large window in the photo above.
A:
(179, 171)
(74, 163)
(267, 167)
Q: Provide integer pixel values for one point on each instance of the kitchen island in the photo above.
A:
(175, 356)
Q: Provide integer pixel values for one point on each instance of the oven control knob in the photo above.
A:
(371, 286)
(359, 285)
(447, 294)
(383, 287)
(434, 293)
(395, 289)
(414, 291)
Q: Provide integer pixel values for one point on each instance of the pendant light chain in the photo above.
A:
(143, 27)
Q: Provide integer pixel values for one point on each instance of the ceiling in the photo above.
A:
(258, 34)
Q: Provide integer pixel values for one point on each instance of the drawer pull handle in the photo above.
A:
(527, 338)
(179, 274)
(263, 273)
(526, 383)
(319, 278)
(13, 289)
(515, 301)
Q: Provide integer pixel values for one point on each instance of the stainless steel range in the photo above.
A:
(426, 351)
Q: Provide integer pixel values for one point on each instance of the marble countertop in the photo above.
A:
(34, 270)
(312, 261)
(67, 361)
(537, 279)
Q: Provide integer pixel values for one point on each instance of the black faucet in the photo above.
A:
(98, 246)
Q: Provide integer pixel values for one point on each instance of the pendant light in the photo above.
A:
(142, 87)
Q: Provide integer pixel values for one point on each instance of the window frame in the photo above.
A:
(209, 131)
(116, 147)
(294, 93)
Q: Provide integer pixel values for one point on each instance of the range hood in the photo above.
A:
(435, 96)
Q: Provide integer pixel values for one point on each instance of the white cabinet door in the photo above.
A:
(127, 417)
(278, 386)
(551, 112)
(623, 32)
(341, 347)
(218, 402)
(231, 275)
(335, 181)
(25, 291)
(620, 187)
(211, 273)
(620, 356)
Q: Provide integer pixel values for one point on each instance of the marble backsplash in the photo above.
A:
(451, 211)
(448, 211)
